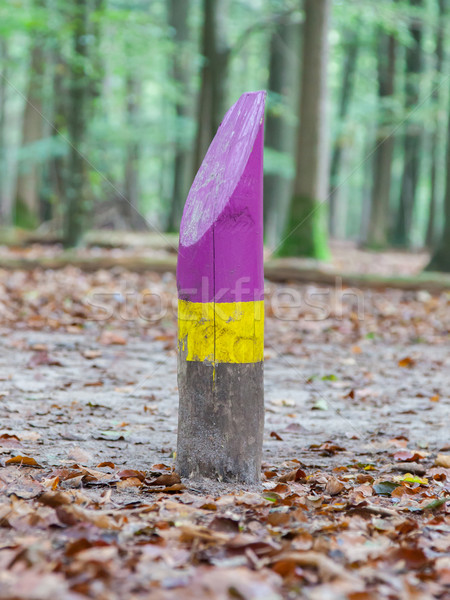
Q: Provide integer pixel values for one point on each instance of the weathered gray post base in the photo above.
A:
(221, 421)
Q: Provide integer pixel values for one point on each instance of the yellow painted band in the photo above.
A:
(227, 332)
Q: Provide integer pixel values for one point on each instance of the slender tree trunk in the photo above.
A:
(435, 136)
(348, 78)
(96, 56)
(132, 188)
(60, 115)
(5, 205)
(29, 177)
(307, 229)
(280, 133)
(79, 86)
(384, 145)
(58, 170)
(412, 137)
(213, 98)
(178, 18)
(441, 258)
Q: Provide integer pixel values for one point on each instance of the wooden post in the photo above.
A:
(221, 306)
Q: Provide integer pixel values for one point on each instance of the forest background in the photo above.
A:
(107, 108)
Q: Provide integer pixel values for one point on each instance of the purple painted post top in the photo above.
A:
(221, 235)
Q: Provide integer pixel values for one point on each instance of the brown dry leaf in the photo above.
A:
(191, 532)
(125, 474)
(128, 482)
(278, 518)
(24, 487)
(9, 440)
(295, 475)
(328, 569)
(51, 483)
(442, 460)
(110, 338)
(166, 480)
(408, 456)
(177, 487)
(334, 486)
(407, 362)
(90, 354)
(23, 461)
(73, 514)
(109, 464)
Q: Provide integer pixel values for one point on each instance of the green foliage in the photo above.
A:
(133, 39)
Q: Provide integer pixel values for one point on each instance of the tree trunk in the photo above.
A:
(412, 137)
(58, 169)
(79, 86)
(95, 55)
(213, 97)
(307, 230)
(182, 171)
(29, 177)
(280, 134)
(352, 48)
(5, 204)
(131, 187)
(384, 145)
(441, 258)
(435, 136)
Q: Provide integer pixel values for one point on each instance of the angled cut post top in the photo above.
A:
(221, 233)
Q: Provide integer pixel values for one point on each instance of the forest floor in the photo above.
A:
(355, 499)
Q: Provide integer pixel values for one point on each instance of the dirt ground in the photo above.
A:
(356, 473)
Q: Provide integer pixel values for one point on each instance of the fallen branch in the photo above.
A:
(277, 270)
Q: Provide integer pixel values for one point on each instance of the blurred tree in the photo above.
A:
(181, 72)
(26, 211)
(279, 130)
(5, 207)
(384, 143)
(58, 162)
(214, 76)
(133, 152)
(412, 140)
(76, 201)
(351, 48)
(440, 260)
(307, 232)
(435, 135)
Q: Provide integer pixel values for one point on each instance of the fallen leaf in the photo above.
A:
(408, 456)
(295, 475)
(42, 357)
(334, 486)
(406, 362)
(442, 460)
(128, 482)
(385, 488)
(23, 461)
(90, 354)
(125, 474)
(110, 338)
(410, 478)
(320, 404)
(165, 480)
